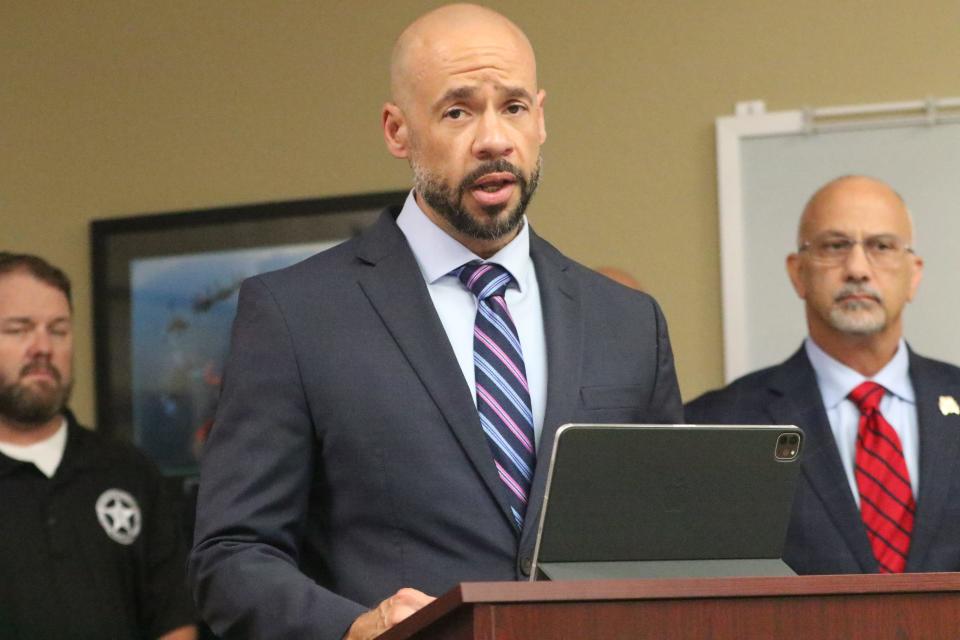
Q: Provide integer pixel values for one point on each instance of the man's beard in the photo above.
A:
(30, 407)
(448, 202)
(858, 317)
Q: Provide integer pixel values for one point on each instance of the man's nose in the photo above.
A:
(857, 263)
(40, 343)
(492, 140)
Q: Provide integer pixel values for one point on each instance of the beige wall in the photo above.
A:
(120, 108)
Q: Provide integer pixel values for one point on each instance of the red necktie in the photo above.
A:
(886, 499)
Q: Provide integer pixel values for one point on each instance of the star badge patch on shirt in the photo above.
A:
(119, 515)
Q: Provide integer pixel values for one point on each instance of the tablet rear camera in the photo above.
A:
(788, 447)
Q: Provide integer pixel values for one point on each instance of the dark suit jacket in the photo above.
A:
(826, 534)
(347, 459)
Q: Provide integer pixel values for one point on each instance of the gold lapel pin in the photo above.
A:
(949, 406)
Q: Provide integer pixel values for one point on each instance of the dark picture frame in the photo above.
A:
(164, 296)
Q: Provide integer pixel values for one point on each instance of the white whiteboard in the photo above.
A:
(768, 166)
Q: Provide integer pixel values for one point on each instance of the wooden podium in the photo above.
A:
(871, 607)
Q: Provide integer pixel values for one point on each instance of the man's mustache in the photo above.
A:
(861, 290)
(495, 166)
(41, 366)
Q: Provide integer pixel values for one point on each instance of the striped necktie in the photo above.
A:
(503, 398)
(886, 499)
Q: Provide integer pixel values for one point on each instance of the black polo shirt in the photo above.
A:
(96, 551)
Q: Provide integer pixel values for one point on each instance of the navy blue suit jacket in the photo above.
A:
(826, 534)
(347, 458)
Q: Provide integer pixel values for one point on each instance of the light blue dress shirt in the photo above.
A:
(438, 254)
(898, 406)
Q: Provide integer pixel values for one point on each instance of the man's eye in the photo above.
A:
(455, 114)
(13, 331)
(836, 246)
(881, 245)
(516, 108)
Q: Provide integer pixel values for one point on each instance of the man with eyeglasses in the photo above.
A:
(880, 486)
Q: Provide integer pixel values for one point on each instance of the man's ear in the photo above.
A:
(541, 99)
(395, 132)
(795, 271)
(916, 266)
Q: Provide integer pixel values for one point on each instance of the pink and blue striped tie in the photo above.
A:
(503, 398)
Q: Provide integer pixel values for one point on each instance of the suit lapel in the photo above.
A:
(939, 448)
(796, 399)
(562, 320)
(395, 287)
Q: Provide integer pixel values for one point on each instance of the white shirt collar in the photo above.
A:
(837, 380)
(46, 454)
(437, 253)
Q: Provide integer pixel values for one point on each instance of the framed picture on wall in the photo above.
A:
(164, 297)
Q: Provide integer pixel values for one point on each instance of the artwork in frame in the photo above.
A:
(164, 297)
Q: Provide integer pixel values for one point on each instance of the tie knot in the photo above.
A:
(484, 279)
(867, 396)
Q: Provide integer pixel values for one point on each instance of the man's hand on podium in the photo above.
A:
(397, 607)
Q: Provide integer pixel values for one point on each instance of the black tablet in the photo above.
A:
(640, 501)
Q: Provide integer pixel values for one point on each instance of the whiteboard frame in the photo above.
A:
(731, 131)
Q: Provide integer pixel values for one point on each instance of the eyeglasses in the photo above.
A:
(881, 251)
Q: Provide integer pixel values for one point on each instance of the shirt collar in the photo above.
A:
(437, 253)
(837, 380)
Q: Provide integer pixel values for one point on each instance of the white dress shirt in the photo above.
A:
(438, 255)
(898, 406)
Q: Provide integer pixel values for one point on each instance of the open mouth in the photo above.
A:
(493, 182)
(494, 188)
